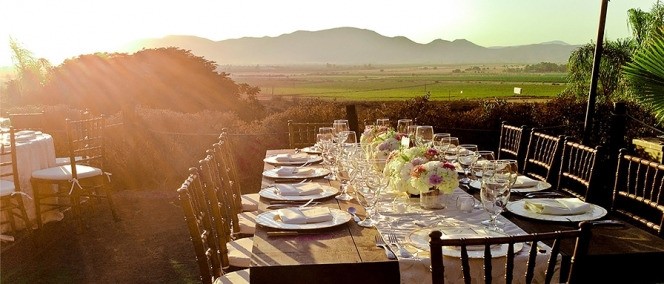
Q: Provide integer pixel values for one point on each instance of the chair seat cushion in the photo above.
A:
(239, 252)
(7, 188)
(64, 172)
(247, 222)
(250, 201)
(235, 277)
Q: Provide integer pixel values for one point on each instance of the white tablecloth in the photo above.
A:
(33, 154)
(416, 269)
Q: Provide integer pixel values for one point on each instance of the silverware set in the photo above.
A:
(380, 242)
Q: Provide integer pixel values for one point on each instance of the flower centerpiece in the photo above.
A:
(434, 179)
(382, 144)
(400, 164)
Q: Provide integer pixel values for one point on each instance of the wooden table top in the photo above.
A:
(341, 254)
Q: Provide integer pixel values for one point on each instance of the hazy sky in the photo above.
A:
(61, 29)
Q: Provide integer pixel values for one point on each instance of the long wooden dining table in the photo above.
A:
(347, 253)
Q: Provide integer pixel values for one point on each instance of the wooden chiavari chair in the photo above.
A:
(513, 142)
(580, 167)
(11, 199)
(303, 134)
(543, 157)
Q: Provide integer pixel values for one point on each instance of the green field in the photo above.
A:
(399, 82)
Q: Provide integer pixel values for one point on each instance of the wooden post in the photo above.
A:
(351, 116)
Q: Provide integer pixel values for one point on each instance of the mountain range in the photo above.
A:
(349, 45)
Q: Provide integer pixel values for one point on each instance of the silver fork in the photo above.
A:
(392, 238)
(388, 251)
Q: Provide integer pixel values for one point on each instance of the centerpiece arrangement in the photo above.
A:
(419, 171)
(379, 142)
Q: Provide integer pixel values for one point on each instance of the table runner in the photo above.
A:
(416, 269)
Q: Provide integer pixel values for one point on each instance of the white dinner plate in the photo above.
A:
(271, 193)
(540, 186)
(420, 239)
(312, 150)
(310, 160)
(317, 172)
(271, 219)
(518, 208)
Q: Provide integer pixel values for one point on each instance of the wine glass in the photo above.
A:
(449, 148)
(512, 170)
(340, 126)
(495, 192)
(383, 122)
(437, 141)
(466, 156)
(344, 177)
(324, 137)
(368, 196)
(402, 125)
(424, 135)
(482, 157)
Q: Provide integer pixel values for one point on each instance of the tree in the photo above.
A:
(646, 72)
(644, 24)
(32, 73)
(615, 54)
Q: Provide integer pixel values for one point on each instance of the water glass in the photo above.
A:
(495, 192)
(466, 156)
(465, 203)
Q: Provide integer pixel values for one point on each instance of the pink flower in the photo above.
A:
(417, 171)
(449, 166)
(431, 153)
(418, 161)
(435, 180)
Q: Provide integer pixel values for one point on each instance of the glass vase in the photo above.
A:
(432, 199)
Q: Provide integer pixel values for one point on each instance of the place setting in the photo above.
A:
(298, 191)
(303, 218)
(556, 209)
(293, 159)
(419, 238)
(523, 184)
(295, 173)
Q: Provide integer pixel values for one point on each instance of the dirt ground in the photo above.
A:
(149, 245)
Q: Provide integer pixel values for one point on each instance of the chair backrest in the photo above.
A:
(637, 194)
(580, 167)
(226, 160)
(199, 223)
(8, 158)
(513, 142)
(32, 121)
(225, 212)
(543, 157)
(581, 236)
(85, 138)
(303, 134)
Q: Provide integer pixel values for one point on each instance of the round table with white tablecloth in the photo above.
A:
(34, 150)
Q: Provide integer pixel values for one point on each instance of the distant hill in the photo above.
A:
(355, 46)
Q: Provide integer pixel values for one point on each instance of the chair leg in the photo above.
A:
(37, 198)
(24, 213)
(107, 191)
(76, 210)
(10, 213)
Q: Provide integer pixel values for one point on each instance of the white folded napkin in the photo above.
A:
(294, 171)
(524, 182)
(557, 206)
(299, 157)
(307, 215)
(309, 188)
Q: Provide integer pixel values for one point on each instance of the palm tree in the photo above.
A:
(646, 74)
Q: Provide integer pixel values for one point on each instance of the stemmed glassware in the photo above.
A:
(466, 156)
(383, 122)
(449, 147)
(368, 196)
(340, 125)
(424, 135)
(347, 149)
(495, 191)
(402, 125)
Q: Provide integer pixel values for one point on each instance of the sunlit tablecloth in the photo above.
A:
(33, 154)
(416, 269)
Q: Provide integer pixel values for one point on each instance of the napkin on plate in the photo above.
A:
(299, 157)
(294, 171)
(524, 182)
(309, 188)
(307, 215)
(557, 206)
